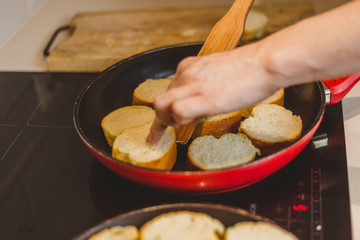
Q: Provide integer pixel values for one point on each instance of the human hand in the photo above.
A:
(232, 80)
(210, 85)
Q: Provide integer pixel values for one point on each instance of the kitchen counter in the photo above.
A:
(24, 53)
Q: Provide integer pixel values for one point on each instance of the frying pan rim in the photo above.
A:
(87, 141)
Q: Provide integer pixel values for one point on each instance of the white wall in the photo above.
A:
(13, 14)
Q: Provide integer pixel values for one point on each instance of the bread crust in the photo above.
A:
(165, 162)
(277, 98)
(140, 101)
(218, 127)
(107, 125)
(269, 147)
(108, 136)
(139, 95)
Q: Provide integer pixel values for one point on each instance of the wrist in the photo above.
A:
(286, 59)
(271, 66)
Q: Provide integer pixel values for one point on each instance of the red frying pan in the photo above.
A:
(113, 89)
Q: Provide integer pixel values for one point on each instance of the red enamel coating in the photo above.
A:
(339, 87)
(208, 182)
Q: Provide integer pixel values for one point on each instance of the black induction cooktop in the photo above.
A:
(51, 186)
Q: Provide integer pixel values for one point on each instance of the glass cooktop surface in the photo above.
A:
(52, 187)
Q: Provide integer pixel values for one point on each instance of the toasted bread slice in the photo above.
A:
(271, 126)
(255, 25)
(231, 149)
(131, 146)
(117, 233)
(182, 225)
(146, 92)
(257, 231)
(123, 118)
(218, 125)
(276, 98)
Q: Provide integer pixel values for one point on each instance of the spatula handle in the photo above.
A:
(224, 36)
(228, 30)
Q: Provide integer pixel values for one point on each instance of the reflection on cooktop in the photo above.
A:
(8, 136)
(38, 99)
(42, 160)
(17, 99)
(43, 181)
(55, 110)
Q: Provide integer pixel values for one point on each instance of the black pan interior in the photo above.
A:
(114, 87)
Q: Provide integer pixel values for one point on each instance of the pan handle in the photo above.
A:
(339, 87)
(46, 51)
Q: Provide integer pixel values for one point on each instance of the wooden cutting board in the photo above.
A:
(100, 39)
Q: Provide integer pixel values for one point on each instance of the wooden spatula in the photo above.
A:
(224, 36)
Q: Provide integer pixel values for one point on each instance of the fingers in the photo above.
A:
(183, 112)
(163, 102)
(182, 74)
(178, 112)
(190, 109)
(180, 104)
(164, 115)
(156, 131)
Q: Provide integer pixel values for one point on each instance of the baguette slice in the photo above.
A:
(146, 92)
(182, 225)
(231, 149)
(276, 98)
(117, 233)
(218, 125)
(271, 126)
(123, 118)
(131, 146)
(257, 231)
(255, 26)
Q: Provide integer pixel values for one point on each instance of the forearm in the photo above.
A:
(324, 46)
(320, 47)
